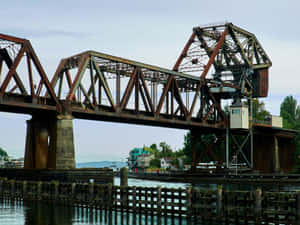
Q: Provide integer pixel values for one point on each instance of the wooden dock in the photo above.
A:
(191, 204)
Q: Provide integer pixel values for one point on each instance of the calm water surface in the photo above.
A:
(40, 213)
(37, 213)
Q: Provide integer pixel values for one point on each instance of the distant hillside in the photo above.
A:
(101, 164)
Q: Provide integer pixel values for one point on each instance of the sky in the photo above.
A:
(153, 32)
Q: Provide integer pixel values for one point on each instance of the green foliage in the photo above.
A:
(187, 148)
(149, 150)
(259, 110)
(290, 113)
(3, 153)
(155, 163)
(164, 150)
(201, 142)
(154, 147)
(175, 162)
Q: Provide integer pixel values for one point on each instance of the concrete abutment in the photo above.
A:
(50, 142)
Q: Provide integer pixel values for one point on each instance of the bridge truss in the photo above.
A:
(219, 62)
(97, 85)
(23, 81)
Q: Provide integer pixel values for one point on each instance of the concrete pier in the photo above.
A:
(64, 143)
(50, 142)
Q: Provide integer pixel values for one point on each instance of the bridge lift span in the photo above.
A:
(232, 64)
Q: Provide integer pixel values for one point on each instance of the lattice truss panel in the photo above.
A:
(102, 82)
(21, 73)
(222, 53)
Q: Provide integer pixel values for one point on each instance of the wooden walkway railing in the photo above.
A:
(191, 204)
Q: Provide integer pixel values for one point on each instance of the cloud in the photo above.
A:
(44, 33)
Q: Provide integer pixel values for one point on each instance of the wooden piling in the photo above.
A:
(258, 200)
(298, 206)
(159, 205)
(219, 202)
(124, 177)
(188, 204)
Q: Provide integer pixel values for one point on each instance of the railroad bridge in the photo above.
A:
(219, 62)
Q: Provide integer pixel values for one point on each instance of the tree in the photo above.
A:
(290, 113)
(3, 153)
(259, 110)
(155, 163)
(165, 149)
(154, 147)
(200, 143)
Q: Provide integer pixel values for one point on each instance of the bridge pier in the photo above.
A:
(50, 142)
(64, 143)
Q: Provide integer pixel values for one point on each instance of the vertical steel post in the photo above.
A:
(118, 86)
(250, 103)
(227, 138)
(193, 150)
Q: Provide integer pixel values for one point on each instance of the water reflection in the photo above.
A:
(37, 213)
(41, 213)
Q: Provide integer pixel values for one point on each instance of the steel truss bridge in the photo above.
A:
(218, 62)
(99, 86)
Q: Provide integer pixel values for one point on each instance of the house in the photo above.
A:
(143, 160)
(170, 163)
(14, 163)
(2, 162)
(133, 154)
(165, 163)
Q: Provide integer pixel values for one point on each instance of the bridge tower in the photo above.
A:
(232, 65)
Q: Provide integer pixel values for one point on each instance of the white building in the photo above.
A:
(2, 162)
(165, 163)
(143, 160)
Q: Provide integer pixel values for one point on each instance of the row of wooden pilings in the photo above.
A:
(190, 204)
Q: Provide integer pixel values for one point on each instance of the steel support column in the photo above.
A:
(193, 151)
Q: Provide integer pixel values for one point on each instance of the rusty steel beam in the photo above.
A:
(199, 85)
(30, 77)
(144, 98)
(128, 90)
(6, 58)
(214, 53)
(164, 94)
(12, 39)
(184, 51)
(149, 100)
(12, 70)
(42, 74)
(179, 99)
(77, 79)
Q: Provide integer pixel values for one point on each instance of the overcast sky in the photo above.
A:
(152, 32)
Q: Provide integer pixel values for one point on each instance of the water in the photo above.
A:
(151, 183)
(41, 213)
(210, 186)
